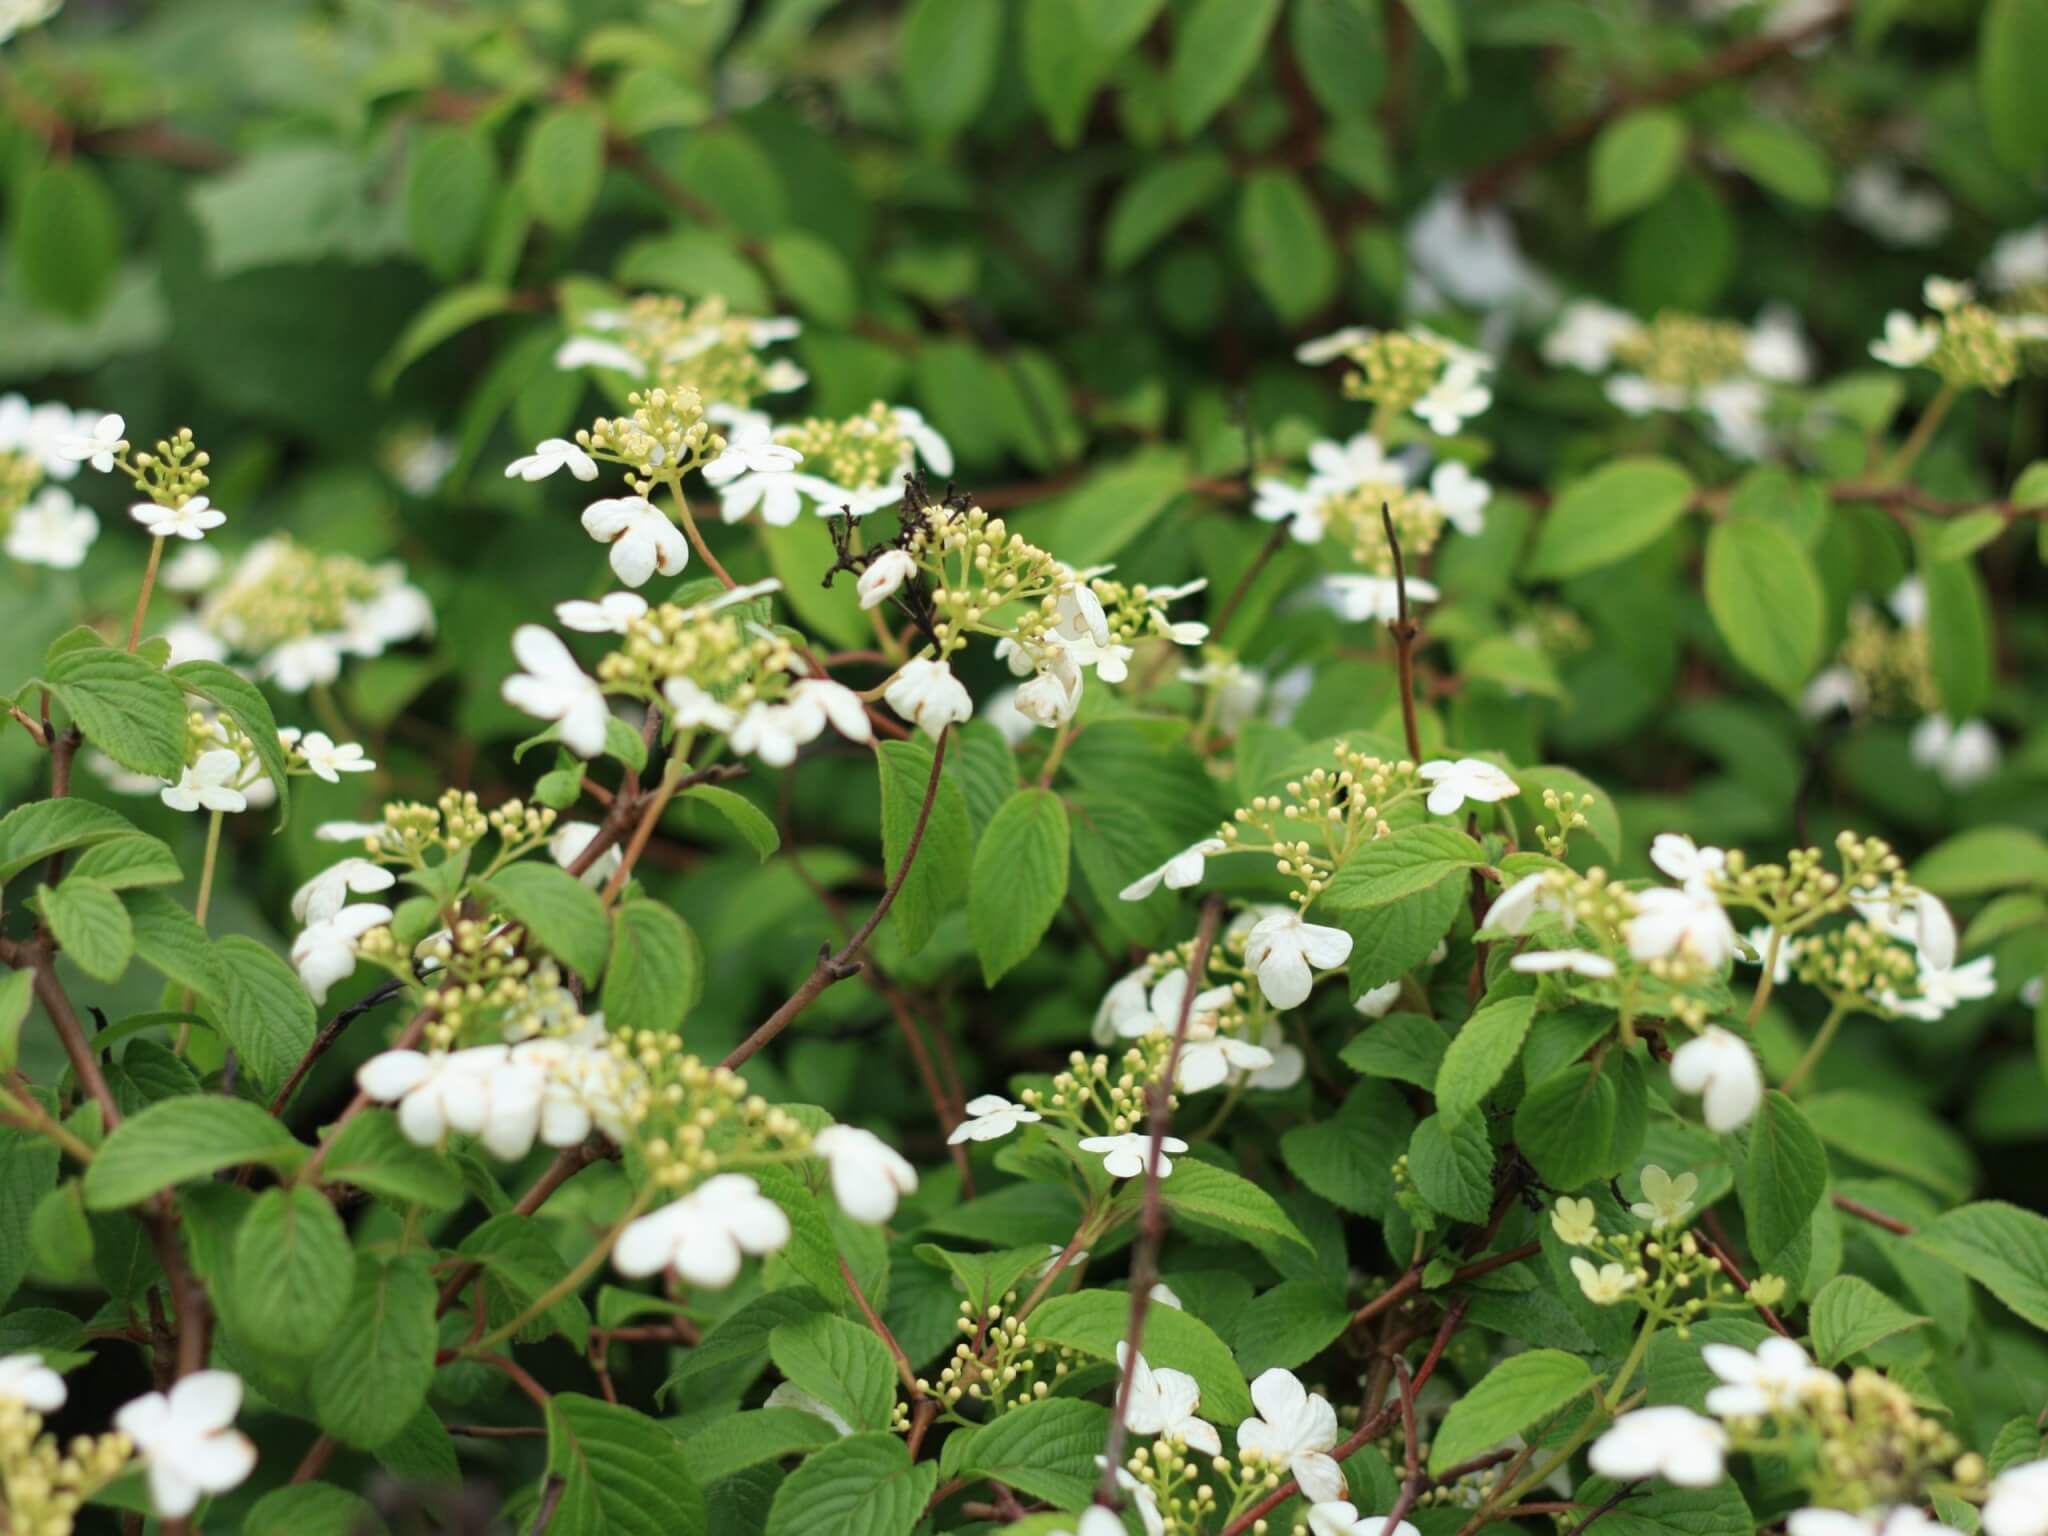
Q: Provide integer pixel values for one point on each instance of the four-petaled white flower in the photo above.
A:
(482, 1092)
(641, 537)
(554, 688)
(52, 530)
(566, 846)
(1537, 962)
(208, 784)
(774, 732)
(190, 519)
(98, 445)
(1298, 506)
(1453, 398)
(926, 693)
(1296, 1429)
(1362, 599)
(1940, 989)
(1516, 907)
(1346, 466)
(1126, 1156)
(1140, 1014)
(1961, 756)
(326, 952)
(1907, 342)
(1605, 1285)
(1666, 1201)
(1177, 873)
(612, 614)
(1586, 334)
(553, 454)
(868, 1175)
(1163, 1402)
(328, 892)
(2018, 1505)
(1752, 1385)
(1722, 1069)
(1462, 495)
(989, 1117)
(885, 573)
(26, 1380)
(1684, 860)
(703, 1235)
(1285, 951)
(328, 759)
(1287, 1063)
(1208, 1057)
(1468, 778)
(1672, 922)
(1676, 1444)
(596, 352)
(1574, 1223)
(1339, 1517)
(187, 1440)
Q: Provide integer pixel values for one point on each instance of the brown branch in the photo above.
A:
(550, 1501)
(1152, 1214)
(330, 1032)
(1411, 1280)
(881, 1329)
(569, 1162)
(1733, 1271)
(1406, 633)
(1872, 1215)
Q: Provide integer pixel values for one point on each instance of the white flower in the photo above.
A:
(1339, 1518)
(1208, 1058)
(926, 693)
(1361, 599)
(774, 732)
(929, 446)
(885, 573)
(1573, 1222)
(1295, 1429)
(690, 706)
(2018, 1505)
(1737, 409)
(482, 1091)
(328, 892)
(1777, 349)
(1945, 293)
(1468, 251)
(750, 448)
(326, 952)
(642, 538)
(1907, 342)
(1722, 1069)
(1162, 1009)
(554, 688)
(187, 1440)
(1378, 1002)
(192, 569)
(1778, 1374)
(208, 784)
(1163, 1295)
(582, 1085)
(26, 1380)
(567, 845)
(1903, 1520)
(1603, 1286)
(1453, 398)
(1586, 334)
(596, 352)
(556, 453)
(612, 614)
(1469, 778)
(1462, 495)
(1142, 1498)
(1638, 396)
(52, 530)
(329, 760)
(1831, 689)
(1300, 507)
(1288, 1063)
(1688, 922)
(1537, 962)
(1348, 465)
(189, 520)
(1327, 349)
(1163, 1402)
(1875, 195)
(311, 661)
(1125, 1009)
(1284, 951)
(1054, 692)
(2019, 260)
(1516, 907)
(703, 1235)
(191, 640)
(1125, 1156)
(1759, 939)
(991, 1116)
(1673, 1443)
(98, 445)
(1940, 989)
(868, 1175)
(1666, 1201)
(1177, 873)
(1959, 755)
(1684, 860)
(353, 832)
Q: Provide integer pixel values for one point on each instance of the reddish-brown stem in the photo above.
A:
(1875, 1217)
(1729, 1267)
(1406, 633)
(881, 1329)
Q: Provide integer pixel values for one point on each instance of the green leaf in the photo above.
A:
(1512, 666)
(1780, 159)
(129, 863)
(2013, 41)
(126, 708)
(1290, 1324)
(1960, 537)
(2001, 1247)
(560, 911)
(656, 972)
(1897, 1137)
(1959, 639)
(90, 924)
(1633, 161)
(291, 1273)
(1407, 1047)
(312, 1509)
(1341, 49)
(985, 1278)
(1412, 859)
(372, 1377)
(1452, 1166)
(561, 164)
(268, 1016)
(938, 874)
(1348, 1157)
(1215, 46)
(950, 52)
(294, 202)
(1044, 1449)
(1387, 942)
(719, 1449)
(1280, 236)
(181, 1139)
(448, 314)
(30, 833)
(742, 1338)
(243, 702)
(451, 183)
(67, 237)
(1019, 879)
(1064, 65)
(1213, 1196)
(1657, 1509)
(1767, 601)
(1784, 1175)
(1566, 1125)
(622, 1474)
(1437, 20)
(1116, 503)
(1095, 1322)
(1980, 860)
(16, 992)
(374, 1155)
(864, 1485)
(1609, 515)
(1156, 201)
(1851, 1314)
(521, 1266)
(170, 941)
(814, 276)
(1480, 1054)
(1521, 1391)
(840, 1363)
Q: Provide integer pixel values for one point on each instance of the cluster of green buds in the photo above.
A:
(1098, 1096)
(280, 591)
(1799, 893)
(704, 346)
(170, 476)
(716, 654)
(412, 831)
(686, 1120)
(1391, 369)
(1891, 664)
(487, 987)
(665, 436)
(1662, 1270)
(1323, 818)
(1979, 348)
(995, 1364)
(1357, 517)
(1554, 630)
(20, 474)
(988, 580)
(1854, 966)
(1863, 1444)
(1568, 810)
(43, 1485)
(1185, 1484)
(1685, 351)
(866, 451)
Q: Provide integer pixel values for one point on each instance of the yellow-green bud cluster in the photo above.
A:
(1891, 662)
(687, 1120)
(1685, 350)
(862, 452)
(665, 436)
(977, 566)
(1354, 516)
(1801, 891)
(1978, 349)
(42, 1485)
(173, 474)
(19, 477)
(732, 660)
(1568, 811)
(280, 591)
(700, 346)
(1394, 369)
(1323, 818)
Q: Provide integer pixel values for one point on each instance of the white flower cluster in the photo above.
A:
(50, 528)
(758, 472)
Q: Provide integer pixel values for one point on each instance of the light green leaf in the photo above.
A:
(1896, 1137)
(950, 52)
(1520, 1392)
(1280, 236)
(1412, 859)
(1634, 159)
(169, 940)
(1044, 1449)
(373, 1375)
(293, 203)
(1780, 159)
(181, 1139)
(291, 1274)
(1961, 537)
(1566, 1126)
(1019, 879)
(561, 165)
(1851, 1314)
(16, 991)
(1115, 504)
(448, 314)
(656, 972)
(1452, 1166)
(1480, 1054)
(371, 1153)
(840, 1363)
(1407, 1047)
(451, 183)
(129, 863)
(1215, 46)
(1389, 941)
(1438, 21)
(864, 1485)
(1959, 639)
(1158, 200)
(1212, 1196)
(1094, 1322)
(1348, 1157)
(2010, 46)
(1658, 1509)
(90, 925)
(126, 708)
(1983, 859)
(243, 702)
(31, 833)
(722, 1447)
(2000, 1246)
(1767, 601)
(312, 1509)
(1290, 1324)
(938, 873)
(560, 911)
(521, 1266)
(622, 1473)
(67, 237)
(1064, 65)
(813, 274)
(1609, 515)
(268, 1016)
(1784, 1175)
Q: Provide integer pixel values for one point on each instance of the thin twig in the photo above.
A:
(1406, 633)
(1872, 1215)
(330, 1032)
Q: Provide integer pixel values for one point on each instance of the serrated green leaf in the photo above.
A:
(372, 1377)
(938, 873)
(1767, 601)
(1850, 1314)
(655, 975)
(842, 1364)
(1094, 1322)
(1520, 1392)
(1480, 1054)
(560, 911)
(1784, 1175)
(90, 925)
(181, 1139)
(243, 702)
(373, 1154)
(1019, 879)
(864, 1485)
(1412, 859)
(1608, 516)
(126, 708)
(292, 1272)
(267, 1015)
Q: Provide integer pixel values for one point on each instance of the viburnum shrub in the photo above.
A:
(1290, 777)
